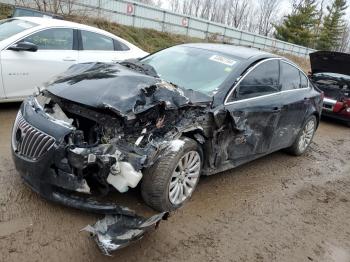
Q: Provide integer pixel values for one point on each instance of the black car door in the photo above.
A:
(254, 105)
(295, 101)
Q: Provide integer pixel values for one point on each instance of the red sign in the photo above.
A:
(184, 21)
(130, 9)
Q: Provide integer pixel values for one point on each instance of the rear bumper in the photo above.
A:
(341, 117)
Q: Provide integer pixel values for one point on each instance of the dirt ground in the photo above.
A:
(278, 208)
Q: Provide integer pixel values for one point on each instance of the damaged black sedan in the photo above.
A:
(186, 111)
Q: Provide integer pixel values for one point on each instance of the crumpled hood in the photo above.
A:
(330, 62)
(120, 89)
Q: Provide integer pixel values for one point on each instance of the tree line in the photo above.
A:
(318, 24)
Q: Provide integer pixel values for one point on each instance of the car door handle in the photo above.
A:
(276, 109)
(306, 98)
(69, 59)
(115, 61)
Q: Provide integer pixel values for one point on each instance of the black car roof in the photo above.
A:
(241, 52)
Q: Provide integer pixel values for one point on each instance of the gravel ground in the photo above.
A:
(277, 208)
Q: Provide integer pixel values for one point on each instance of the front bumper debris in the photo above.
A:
(121, 226)
(115, 232)
(39, 170)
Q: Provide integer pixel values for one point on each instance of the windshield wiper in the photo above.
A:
(138, 66)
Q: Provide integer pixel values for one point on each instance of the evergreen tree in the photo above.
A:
(333, 26)
(298, 27)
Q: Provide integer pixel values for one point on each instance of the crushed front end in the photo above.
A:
(70, 160)
(50, 154)
(95, 130)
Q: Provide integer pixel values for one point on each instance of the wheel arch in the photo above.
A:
(317, 115)
(198, 136)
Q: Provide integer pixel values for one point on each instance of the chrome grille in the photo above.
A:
(29, 141)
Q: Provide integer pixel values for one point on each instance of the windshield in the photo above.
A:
(192, 68)
(11, 27)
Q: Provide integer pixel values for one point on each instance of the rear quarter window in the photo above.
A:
(98, 42)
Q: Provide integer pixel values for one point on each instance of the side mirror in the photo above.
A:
(24, 46)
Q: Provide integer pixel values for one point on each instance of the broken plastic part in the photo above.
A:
(115, 232)
(127, 177)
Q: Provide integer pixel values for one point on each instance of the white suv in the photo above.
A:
(33, 50)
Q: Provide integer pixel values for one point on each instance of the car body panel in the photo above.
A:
(23, 71)
(256, 122)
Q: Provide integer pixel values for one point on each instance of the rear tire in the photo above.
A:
(165, 178)
(304, 138)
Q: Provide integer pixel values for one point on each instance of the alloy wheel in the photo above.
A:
(184, 178)
(306, 135)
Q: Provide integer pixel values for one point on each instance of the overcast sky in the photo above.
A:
(285, 7)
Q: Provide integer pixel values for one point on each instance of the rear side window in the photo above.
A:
(263, 80)
(52, 39)
(303, 80)
(93, 41)
(290, 78)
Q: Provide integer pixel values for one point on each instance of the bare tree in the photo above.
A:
(268, 10)
(238, 12)
(175, 5)
(53, 6)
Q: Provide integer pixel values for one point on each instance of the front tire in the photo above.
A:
(170, 182)
(304, 138)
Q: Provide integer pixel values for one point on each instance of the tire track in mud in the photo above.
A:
(278, 208)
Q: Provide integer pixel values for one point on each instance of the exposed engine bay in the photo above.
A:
(331, 74)
(337, 88)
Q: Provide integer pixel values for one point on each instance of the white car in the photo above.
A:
(33, 50)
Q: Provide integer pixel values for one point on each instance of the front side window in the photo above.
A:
(52, 39)
(290, 78)
(11, 27)
(263, 80)
(93, 41)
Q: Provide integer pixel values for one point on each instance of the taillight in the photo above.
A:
(338, 107)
